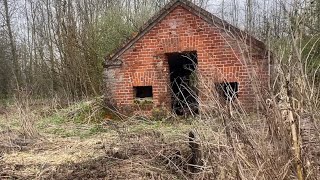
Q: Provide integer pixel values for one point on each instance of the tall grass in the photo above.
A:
(278, 140)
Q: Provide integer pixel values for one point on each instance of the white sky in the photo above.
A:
(213, 6)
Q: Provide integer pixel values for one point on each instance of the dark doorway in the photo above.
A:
(183, 81)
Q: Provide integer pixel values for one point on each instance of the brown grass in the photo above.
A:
(142, 149)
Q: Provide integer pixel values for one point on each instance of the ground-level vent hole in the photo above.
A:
(228, 90)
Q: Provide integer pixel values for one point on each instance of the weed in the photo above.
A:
(86, 112)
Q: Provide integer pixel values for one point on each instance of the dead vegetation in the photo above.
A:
(279, 141)
(218, 145)
(133, 145)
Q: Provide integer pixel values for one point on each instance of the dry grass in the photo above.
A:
(134, 144)
(233, 145)
(51, 152)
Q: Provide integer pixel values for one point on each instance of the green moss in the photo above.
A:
(97, 129)
(143, 101)
(159, 114)
(160, 126)
(86, 112)
(79, 120)
(54, 120)
(72, 130)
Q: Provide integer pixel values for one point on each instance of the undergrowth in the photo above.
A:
(82, 119)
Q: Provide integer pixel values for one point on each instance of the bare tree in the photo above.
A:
(15, 63)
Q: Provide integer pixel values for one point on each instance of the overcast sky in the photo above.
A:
(213, 6)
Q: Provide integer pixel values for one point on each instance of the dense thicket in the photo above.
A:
(57, 47)
(52, 48)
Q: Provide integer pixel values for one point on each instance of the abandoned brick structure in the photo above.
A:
(161, 66)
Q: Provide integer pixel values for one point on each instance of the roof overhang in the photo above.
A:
(196, 10)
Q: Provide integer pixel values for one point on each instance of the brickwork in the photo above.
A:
(220, 57)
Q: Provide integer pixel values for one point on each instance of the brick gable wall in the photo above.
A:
(219, 58)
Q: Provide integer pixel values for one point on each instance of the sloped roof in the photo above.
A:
(196, 10)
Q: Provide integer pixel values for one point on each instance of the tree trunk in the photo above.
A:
(15, 63)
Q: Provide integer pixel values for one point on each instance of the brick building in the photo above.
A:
(161, 66)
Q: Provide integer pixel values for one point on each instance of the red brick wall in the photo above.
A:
(219, 57)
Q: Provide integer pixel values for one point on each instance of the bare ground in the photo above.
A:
(121, 150)
(72, 144)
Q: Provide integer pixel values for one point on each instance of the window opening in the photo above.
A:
(228, 90)
(143, 92)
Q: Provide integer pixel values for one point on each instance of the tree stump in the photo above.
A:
(195, 162)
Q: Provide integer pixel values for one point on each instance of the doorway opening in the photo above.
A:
(183, 81)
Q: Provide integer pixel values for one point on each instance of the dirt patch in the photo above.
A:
(118, 155)
(109, 168)
(13, 140)
(2, 111)
(135, 156)
(119, 150)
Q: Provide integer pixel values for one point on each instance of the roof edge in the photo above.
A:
(154, 20)
(196, 10)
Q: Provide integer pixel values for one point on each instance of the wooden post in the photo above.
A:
(294, 131)
(296, 145)
(196, 156)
